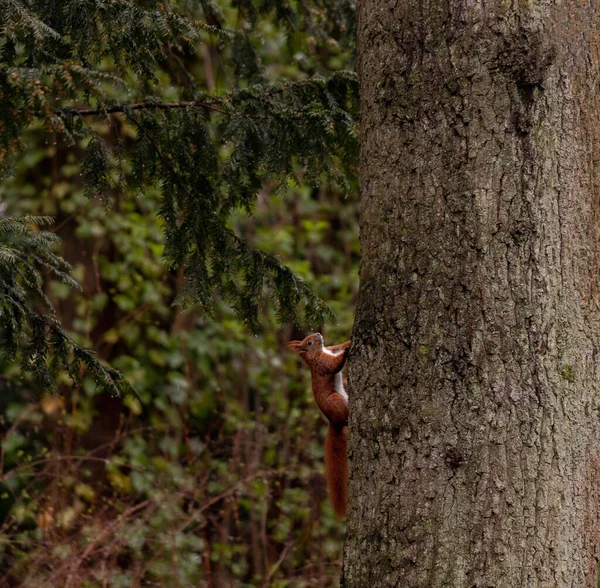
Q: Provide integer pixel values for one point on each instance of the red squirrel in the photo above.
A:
(326, 365)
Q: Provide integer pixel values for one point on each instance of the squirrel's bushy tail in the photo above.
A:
(336, 466)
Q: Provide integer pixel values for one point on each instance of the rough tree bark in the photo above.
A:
(474, 433)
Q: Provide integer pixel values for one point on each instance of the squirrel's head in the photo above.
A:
(311, 344)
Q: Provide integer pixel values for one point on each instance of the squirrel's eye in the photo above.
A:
(310, 342)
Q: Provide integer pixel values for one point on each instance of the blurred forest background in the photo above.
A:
(213, 475)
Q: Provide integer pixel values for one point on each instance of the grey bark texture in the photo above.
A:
(474, 426)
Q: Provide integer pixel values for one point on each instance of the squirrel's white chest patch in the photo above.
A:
(339, 386)
(329, 352)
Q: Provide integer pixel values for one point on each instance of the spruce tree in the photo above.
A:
(210, 149)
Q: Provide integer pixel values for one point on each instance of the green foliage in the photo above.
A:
(24, 254)
(220, 467)
(188, 133)
(273, 133)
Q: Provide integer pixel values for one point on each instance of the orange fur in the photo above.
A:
(325, 363)
(336, 467)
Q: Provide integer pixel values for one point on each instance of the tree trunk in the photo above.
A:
(474, 432)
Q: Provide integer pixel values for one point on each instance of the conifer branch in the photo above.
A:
(245, 94)
(160, 154)
(65, 66)
(123, 108)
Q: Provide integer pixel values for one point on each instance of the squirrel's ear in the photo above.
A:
(293, 345)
